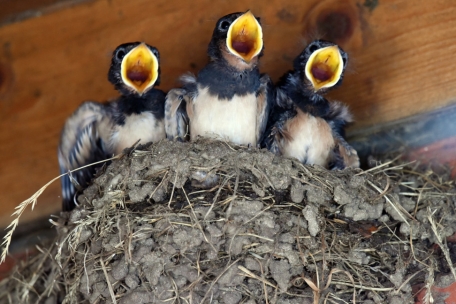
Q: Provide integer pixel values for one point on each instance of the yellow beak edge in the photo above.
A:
(139, 69)
(324, 67)
(245, 37)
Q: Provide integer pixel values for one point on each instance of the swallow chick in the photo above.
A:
(229, 99)
(303, 123)
(96, 131)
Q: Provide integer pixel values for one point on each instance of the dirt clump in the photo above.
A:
(208, 222)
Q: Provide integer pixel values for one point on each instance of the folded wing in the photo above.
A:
(344, 155)
(81, 144)
(265, 100)
(176, 117)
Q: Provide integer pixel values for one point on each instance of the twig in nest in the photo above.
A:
(197, 222)
(175, 289)
(406, 281)
(316, 270)
(218, 278)
(27, 285)
(216, 196)
(258, 236)
(384, 192)
(111, 291)
(364, 287)
(259, 213)
(174, 187)
(254, 276)
(301, 254)
(317, 291)
(392, 204)
(33, 200)
(335, 297)
(423, 176)
(385, 165)
(264, 284)
(259, 172)
(443, 246)
(306, 182)
(85, 271)
(315, 288)
(159, 185)
(428, 299)
(310, 174)
(130, 150)
(412, 249)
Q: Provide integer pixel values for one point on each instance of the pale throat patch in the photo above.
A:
(143, 126)
(232, 120)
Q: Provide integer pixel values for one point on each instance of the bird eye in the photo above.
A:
(313, 48)
(120, 54)
(224, 25)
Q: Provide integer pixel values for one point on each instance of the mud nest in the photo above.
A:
(207, 222)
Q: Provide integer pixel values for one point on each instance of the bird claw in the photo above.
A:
(74, 181)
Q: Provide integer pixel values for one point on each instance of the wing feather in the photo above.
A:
(176, 117)
(344, 155)
(178, 108)
(80, 144)
(265, 100)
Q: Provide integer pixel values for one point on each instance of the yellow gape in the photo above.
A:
(245, 37)
(139, 69)
(324, 67)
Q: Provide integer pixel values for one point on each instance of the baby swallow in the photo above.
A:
(229, 99)
(303, 123)
(96, 131)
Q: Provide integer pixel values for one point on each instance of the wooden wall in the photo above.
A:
(401, 63)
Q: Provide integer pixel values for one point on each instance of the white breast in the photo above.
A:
(143, 126)
(311, 139)
(233, 120)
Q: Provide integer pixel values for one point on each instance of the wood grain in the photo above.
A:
(18, 10)
(400, 54)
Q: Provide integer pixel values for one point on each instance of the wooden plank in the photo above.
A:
(427, 138)
(15, 10)
(409, 134)
(18, 10)
(400, 67)
(400, 53)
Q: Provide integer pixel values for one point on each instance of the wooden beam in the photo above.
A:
(411, 136)
(400, 54)
(18, 10)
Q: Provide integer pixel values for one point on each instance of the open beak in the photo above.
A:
(324, 67)
(245, 37)
(139, 68)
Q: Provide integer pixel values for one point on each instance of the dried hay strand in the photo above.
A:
(209, 222)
